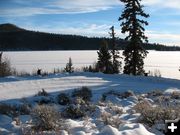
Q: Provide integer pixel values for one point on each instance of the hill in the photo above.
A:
(15, 38)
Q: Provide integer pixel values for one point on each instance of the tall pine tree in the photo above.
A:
(132, 24)
(116, 64)
(104, 59)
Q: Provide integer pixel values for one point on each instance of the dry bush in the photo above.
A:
(44, 100)
(14, 110)
(45, 117)
(108, 119)
(7, 109)
(162, 100)
(175, 95)
(125, 94)
(78, 109)
(63, 99)
(42, 93)
(153, 115)
(155, 93)
(114, 108)
(84, 93)
(24, 109)
(144, 104)
(73, 112)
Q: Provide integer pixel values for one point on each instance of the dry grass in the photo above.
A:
(144, 104)
(151, 115)
(175, 95)
(108, 119)
(45, 118)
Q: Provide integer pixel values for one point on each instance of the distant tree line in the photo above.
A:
(14, 38)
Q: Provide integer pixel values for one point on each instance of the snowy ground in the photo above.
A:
(19, 87)
(14, 88)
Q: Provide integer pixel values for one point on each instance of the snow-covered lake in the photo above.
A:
(167, 62)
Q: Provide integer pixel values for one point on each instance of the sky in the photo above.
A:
(92, 17)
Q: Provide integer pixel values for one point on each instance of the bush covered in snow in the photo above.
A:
(109, 119)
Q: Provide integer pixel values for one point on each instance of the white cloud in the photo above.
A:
(166, 38)
(34, 7)
(162, 3)
(85, 29)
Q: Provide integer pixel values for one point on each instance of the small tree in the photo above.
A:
(116, 64)
(5, 68)
(104, 59)
(69, 66)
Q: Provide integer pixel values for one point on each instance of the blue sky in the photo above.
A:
(91, 17)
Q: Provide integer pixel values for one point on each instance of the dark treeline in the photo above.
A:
(14, 38)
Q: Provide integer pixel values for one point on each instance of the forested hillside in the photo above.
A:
(15, 38)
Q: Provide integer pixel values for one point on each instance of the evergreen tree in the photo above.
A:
(69, 66)
(116, 64)
(104, 59)
(133, 25)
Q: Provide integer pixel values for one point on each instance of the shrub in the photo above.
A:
(9, 110)
(13, 110)
(152, 115)
(155, 73)
(63, 99)
(24, 109)
(73, 112)
(114, 108)
(142, 105)
(162, 100)
(5, 68)
(79, 101)
(69, 66)
(45, 118)
(175, 95)
(84, 93)
(127, 94)
(155, 93)
(42, 93)
(44, 100)
(108, 119)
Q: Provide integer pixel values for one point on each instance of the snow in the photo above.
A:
(165, 61)
(4, 120)
(109, 130)
(134, 129)
(19, 87)
(13, 89)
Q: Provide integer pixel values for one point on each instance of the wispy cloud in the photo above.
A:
(166, 38)
(90, 30)
(162, 3)
(34, 7)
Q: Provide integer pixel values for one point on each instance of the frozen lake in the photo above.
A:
(167, 62)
